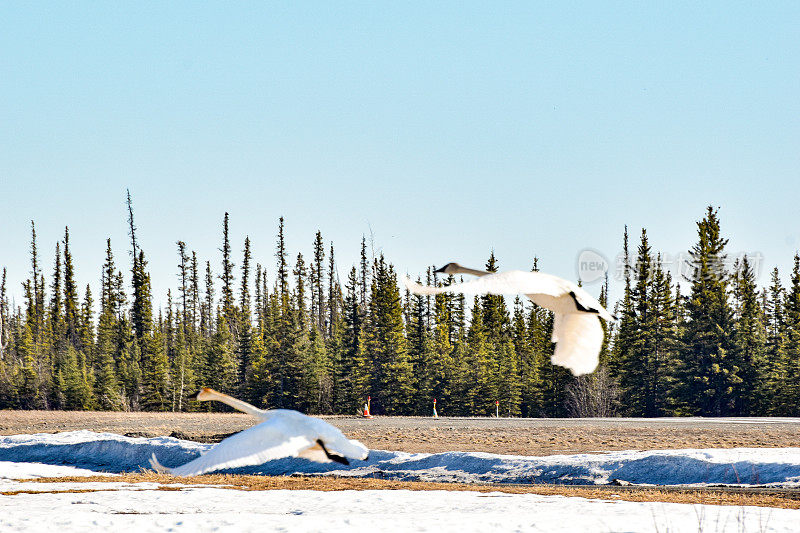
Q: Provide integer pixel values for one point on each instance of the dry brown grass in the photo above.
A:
(416, 434)
(324, 483)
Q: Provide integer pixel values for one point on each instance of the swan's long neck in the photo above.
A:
(210, 394)
(465, 270)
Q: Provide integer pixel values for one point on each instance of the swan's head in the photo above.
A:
(450, 268)
(205, 394)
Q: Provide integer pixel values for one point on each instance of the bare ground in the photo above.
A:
(777, 498)
(517, 436)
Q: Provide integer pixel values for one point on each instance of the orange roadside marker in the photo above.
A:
(366, 408)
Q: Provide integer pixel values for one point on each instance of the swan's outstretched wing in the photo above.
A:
(284, 434)
(517, 281)
(510, 282)
(589, 303)
(578, 338)
(333, 441)
(258, 444)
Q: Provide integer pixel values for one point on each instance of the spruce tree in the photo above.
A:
(623, 339)
(439, 372)
(228, 310)
(86, 325)
(283, 268)
(480, 394)
(111, 337)
(420, 349)
(335, 332)
(393, 371)
(300, 275)
(353, 371)
(195, 300)
(156, 386)
(663, 341)
(317, 284)
(334, 296)
(29, 393)
(775, 323)
(142, 312)
(636, 365)
(259, 375)
(207, 309)
(71, 309)
(287, 369)
(364, 274)
(508, 383)
(317, 382)
(244, 346)
(707, 369)
(37, 370)
(38, 295)
(182, 372)
(3, 320)
(219, 366)
(495, 313)
(106, 384)
(529, 376)
(750, 345)
(184, 274)
(789, 362)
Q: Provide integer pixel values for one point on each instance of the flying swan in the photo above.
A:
(282, 433)
(576, 328)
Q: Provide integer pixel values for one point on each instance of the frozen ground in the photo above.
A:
(72, 506)
(108, 452)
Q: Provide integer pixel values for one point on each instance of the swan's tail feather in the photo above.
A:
(158, 467)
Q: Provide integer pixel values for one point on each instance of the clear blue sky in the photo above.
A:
(446, 130)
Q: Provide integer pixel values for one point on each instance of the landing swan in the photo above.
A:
(282, 433)
(576, 328)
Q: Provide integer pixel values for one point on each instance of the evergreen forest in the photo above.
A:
(291, 334)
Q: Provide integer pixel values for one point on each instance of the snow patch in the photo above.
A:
(215, 509)
(9, 470)
(110, 453)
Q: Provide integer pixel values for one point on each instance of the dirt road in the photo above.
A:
(518, 436)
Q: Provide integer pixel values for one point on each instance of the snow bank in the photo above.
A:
(108, 452)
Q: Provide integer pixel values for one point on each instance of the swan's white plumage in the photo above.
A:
(283, 433)
(577, 333)
(578, 338)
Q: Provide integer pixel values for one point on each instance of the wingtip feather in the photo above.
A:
(158, 467)
(416, 288)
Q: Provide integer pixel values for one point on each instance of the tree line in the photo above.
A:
(300, 339)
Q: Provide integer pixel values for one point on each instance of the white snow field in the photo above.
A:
(109, 452)
(124, 506)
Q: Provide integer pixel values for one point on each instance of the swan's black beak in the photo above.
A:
(195, 397)
(442, 269)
